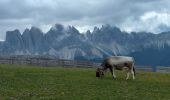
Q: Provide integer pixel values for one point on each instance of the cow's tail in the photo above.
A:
(134, 70)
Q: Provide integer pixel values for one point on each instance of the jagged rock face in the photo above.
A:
(107, 34)
(33, 40)
(27, 40)
(67, 43)
(37, 38)
(111, 40)
(55, 34)
(13, 43)
(1, 45)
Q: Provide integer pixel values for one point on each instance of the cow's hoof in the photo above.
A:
(113, 78)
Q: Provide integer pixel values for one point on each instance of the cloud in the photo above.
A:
(129, 15)
(155, 22)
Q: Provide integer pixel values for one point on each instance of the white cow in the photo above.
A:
(117, 63)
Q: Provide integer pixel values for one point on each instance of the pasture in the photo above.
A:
(42, 83)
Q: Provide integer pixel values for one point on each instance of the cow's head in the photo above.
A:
(99, 72)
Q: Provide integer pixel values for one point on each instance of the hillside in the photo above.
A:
(39, 83)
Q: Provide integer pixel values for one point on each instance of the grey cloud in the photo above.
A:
(163, 27)
(22, 13)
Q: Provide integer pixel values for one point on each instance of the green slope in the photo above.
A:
(38, 83)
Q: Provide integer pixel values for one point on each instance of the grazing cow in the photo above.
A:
(117, 63)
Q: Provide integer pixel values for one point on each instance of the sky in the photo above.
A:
(129, 15)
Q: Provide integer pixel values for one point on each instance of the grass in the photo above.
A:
(39, 83)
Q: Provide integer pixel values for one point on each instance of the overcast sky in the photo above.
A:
(129, 15)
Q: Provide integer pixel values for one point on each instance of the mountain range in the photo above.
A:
(68, 43)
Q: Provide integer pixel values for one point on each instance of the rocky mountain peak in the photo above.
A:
(35, 30)
(72, 31)
(13, 34)
(57, 27)
(13, 41)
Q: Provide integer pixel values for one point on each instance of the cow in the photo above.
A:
(117, 63)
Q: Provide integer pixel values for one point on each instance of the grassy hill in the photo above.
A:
(39, 83)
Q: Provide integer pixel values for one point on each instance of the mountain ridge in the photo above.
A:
(68, 43)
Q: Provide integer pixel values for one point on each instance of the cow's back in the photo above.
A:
(115, 60)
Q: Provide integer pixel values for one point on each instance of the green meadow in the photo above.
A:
(19, 82)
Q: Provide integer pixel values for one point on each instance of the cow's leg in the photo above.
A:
(127, 77)
(112, 72)
(133, 76)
